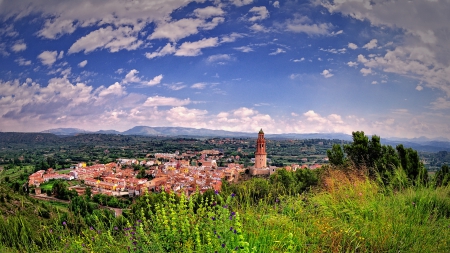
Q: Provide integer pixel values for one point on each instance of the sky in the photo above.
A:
(318, 66)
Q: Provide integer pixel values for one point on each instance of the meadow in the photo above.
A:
(343, 211)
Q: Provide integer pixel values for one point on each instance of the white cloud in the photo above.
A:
(278, 51)
(219, 58)
(182, 28)
(48, 57)
(165, 101)
(352, 64)
(156, 80)
(440, 104)
(199, 86)
(352, 46)
(419, 88)
(334, 50)
(244, 49)
(337, 33)
(372, 44)
(19, 46)
(259, 13)
(366, 71)
(304, 25)
(299, 60)
(54, 28)
(175, 86)
(167, 49)
(131, 77)
(327, 73)
(231, 38)
(208, 12)
(22, 61)
(374, 82)
(194, 48)
(114, 89)
(258, 28)
(241, 2)
(276, 4)
(82, 64)
(108, 38)
(60, 55)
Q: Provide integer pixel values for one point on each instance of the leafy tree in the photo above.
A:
(442, 177)
(336, 155)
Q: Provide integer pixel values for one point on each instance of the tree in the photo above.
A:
(336, 155)
(442, 177)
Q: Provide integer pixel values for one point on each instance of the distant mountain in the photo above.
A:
(420, 144)
(182, 131)
(66, 131)
(108, 132)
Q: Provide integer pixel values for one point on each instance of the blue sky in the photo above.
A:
(240, 65)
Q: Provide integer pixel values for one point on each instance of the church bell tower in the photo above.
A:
(260, 154)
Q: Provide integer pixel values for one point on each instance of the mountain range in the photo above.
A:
(420, 144)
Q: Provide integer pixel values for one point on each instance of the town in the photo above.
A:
(185, 172)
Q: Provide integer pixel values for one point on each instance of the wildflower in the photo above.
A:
(277, 200)
(64, 223)
(360, 194)
(99, 231)
(233, 213)
(235, 231)
(232, 194)
(91, 228)
(139, 221)
(83, 245)
(413, 203)
(213, 218)
(223, 245)
(236, 248)
(215, 232)
(216, 192)
(134, 242)
(231, 228)
(218, 236)
(214, 204)
(115, 228)
(51, 230)
(225, 206)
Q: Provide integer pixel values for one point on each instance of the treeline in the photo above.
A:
(388, 164)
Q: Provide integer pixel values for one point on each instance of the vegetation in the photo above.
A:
(371, 198)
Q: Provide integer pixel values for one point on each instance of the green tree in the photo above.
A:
(442, 177)
(336, 155)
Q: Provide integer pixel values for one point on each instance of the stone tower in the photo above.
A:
(260, 154)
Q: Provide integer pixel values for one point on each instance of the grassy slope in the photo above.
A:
(348, 213)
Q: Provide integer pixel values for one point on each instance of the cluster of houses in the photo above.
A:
(186, 172)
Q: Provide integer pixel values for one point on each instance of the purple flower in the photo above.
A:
(64, 223)
(218, 236)
(233, 213)
(115, 228)
(232, 194)
(223, 245)
(134, 242)
(215, 232)
(225, 206)
(216, 192)
(91, 228)
(235, 231)
(231, 228)
(99, 231)
(140, 221)
(51, 230)
(214, 204)
(236, 248)
(213, 218)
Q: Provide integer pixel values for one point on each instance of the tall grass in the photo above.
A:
(346, 212)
